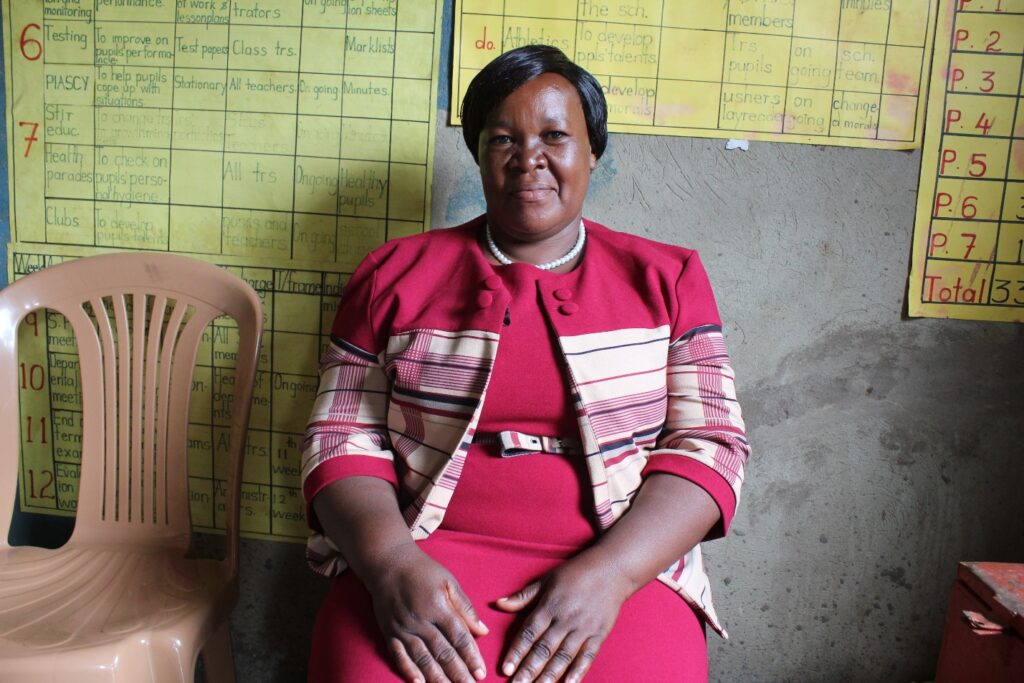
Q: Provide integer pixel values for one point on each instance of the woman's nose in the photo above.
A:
(530, 156)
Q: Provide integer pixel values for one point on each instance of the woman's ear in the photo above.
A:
(593, 161)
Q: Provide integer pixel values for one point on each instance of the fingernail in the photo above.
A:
(479, 674)
(508, 669)
(483, 626)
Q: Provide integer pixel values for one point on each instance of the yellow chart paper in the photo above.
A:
(298, 304)
(281, 138)
(834, 72)
(968, 238)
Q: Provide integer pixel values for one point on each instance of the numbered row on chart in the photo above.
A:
(977, 242)
(1000, 8)
(272, 457)
(894, 21)
(384, 15)
(371, 13)
(282, 400)
(267, 509)
(992, 33)
(71, 132)
(978, 200)
(983, 74)
(48, 484)
(761, 109)
(336, 51)
(253, 91)
(232, 180)
(277, 511)
(982, 116)
(734, 58)
(981, 158)
(329, 237)
(955, 282)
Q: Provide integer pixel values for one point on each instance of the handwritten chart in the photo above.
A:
(969, 235)
(835, 72)
(298, 305)
(280, 138)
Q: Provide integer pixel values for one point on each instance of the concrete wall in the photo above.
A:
(885, 449)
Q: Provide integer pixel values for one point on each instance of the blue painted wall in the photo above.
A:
(5, 221)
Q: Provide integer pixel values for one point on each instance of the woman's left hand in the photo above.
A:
(573, 611)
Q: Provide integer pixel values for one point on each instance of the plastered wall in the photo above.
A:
(885, 449)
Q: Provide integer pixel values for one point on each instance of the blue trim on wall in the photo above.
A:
(5, 216)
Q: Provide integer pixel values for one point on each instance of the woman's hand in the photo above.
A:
(429, 624)
(574, 609)
(575, 606)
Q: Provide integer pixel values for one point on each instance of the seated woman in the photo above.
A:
(525, 426)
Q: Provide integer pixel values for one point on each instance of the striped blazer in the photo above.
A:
(414, 340)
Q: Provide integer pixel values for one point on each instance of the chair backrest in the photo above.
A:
(138, 321)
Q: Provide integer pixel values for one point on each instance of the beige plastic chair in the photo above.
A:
(120, 601)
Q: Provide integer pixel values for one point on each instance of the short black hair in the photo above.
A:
(509, 71)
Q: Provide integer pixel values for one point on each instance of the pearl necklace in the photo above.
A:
(505, 260)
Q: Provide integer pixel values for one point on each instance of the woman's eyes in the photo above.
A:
(552, 135)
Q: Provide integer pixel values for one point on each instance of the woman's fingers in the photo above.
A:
(569, 618)
(403, 661)
(431, 659)
(461, 643)
(559, 662)
(415, 661)
(419, 605)
(547, 662)
(584, 658)
(444, 657)
(520, 599)
(527, 640)
(550, 653)
(440, 649)
(466, 610)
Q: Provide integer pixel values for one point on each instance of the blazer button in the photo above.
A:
(568, 309)
(485, 299)
(492, 282)
(563, 294)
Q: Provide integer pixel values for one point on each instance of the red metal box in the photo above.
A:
(984, 637)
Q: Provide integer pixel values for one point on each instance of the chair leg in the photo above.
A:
(217, 659)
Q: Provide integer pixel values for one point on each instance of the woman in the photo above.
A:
(522, 422)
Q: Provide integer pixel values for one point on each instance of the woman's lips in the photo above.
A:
(534, 193)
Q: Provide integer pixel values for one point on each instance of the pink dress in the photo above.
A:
(512, 520)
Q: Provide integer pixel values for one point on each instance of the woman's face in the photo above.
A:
(535, 160)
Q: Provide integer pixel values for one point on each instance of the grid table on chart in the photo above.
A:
(299, 307)
(842, 70)
(975, 234)
(283, 139)
(286, 129)
(50, 401)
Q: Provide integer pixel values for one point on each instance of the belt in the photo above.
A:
(513, 444)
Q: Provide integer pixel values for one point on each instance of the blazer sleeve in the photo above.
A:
(703, 438)
(347, 431)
